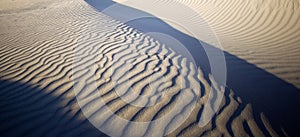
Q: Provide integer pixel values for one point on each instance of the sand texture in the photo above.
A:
(68, 69)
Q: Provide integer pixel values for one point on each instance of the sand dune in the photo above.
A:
(265, 33)
(56, 50)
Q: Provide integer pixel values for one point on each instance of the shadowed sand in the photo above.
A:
(266, 93)
(37, 97)
(28, 110)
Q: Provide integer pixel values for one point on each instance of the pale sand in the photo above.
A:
(264, 33)
(39, 39)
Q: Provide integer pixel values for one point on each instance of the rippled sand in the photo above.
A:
(47, 46)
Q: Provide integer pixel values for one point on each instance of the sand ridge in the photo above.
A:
(40, 47)
(265, 33)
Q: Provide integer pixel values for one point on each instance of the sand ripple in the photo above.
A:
(43, 52)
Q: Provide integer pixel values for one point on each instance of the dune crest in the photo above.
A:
(47, 46)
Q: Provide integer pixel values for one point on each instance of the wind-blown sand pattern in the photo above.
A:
(47, 45)
(265, 33)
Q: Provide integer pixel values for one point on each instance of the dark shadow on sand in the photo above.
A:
(276, 98)
(26, 110)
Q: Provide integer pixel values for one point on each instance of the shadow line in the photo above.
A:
(268, 94)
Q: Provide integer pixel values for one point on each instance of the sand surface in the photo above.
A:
(53, 50)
